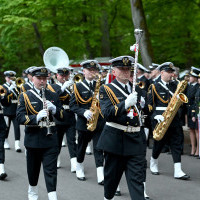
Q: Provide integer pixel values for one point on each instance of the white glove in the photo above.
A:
(142, 102)
(11, 87)
(67, 84)
(88, 114)
(51, 106)
(159, 118)
(131, 100)
(41, 114)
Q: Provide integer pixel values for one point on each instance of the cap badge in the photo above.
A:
(64, 70)
(92, 63)
(125, 60)
(170, 65)
(43, 70)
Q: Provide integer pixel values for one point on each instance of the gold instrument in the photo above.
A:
(171, 110)
(141, 84)
(92, 123)
(19, 82)
(3, 91)
(78, 78)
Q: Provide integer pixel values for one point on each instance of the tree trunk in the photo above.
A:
(39, 39)
(105, 40)
(139, 21)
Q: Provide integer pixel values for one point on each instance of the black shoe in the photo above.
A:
(3, 176)
(81, 178)
(101, 183)
(118, 193)
(18, 150)
(185, 177)
(196, 156)
(88, 153)
(155, 173)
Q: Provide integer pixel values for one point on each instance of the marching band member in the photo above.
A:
(191, 91)
(29, 84)
(36, 109)
(10, 111)
(80, 104)
(123, 138)
(159, 96)
(61, 87)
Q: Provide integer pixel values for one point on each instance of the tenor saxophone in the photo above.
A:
(176, 101)
(92, 123)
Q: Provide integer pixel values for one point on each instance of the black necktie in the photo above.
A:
(91, 88)
(126, 89)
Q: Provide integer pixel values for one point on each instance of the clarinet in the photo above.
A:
(47, 123)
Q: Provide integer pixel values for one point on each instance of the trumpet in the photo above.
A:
(18, 81)
(141, 84)
(3, 91)
(78, 78)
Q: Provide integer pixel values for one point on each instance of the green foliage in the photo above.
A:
(76, 27)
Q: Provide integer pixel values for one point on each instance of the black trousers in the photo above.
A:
(2, 151)
(70, 132)
(16, 127)
(135, 172)
(84, 137)
(46, 156)
(174, 138)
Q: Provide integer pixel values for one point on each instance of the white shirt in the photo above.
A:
(123, 85)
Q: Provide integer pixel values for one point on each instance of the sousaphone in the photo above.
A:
(55, 57)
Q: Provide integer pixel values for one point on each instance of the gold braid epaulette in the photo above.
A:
(28, 105)
(112, 97)
(154, 89)
(78, 97)
(10, 96)
(50, 88)
(62, 98)
(23, 89)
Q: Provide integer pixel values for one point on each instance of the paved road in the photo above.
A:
(162, 187)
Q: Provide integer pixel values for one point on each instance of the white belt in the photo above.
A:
(1, 111)
(66, 107)
(129, 129)
(14, 101)
(161, 108)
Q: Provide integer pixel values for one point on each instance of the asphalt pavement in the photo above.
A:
(162, 187)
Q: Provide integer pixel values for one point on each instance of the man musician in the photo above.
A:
(10, 110)
(123, 139)
(29, 84)
(159, 96)
(36, 109)
(80, 104)
(61, 87)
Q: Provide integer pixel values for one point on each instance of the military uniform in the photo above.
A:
(197, 107)
(10, 110)
(41, 148)
(123, 139)
(68, 125)
(159, 96)
(79, 103)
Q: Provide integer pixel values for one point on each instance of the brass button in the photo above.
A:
(136, 124)
(127, 122)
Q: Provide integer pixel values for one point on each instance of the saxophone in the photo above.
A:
(171, 110)
(92, 123)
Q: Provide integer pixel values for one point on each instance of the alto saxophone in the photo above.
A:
(92, 123)
(46, 123)
(171, 110)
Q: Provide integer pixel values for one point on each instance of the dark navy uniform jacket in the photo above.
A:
(112, 139)
(80, 108)
(190, 93)
(159, 97)
(64, 98)
(27, 86)
(12, 98)
(2, 124)
(28, 107)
